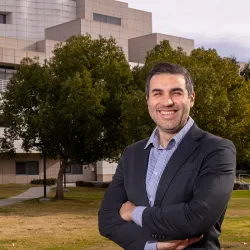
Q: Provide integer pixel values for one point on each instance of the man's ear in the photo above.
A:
(192, 99)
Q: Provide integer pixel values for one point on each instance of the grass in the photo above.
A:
(236, 226)
(72, 223)
(68, 224)
(9, 190)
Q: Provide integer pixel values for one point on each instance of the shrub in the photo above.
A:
(236, 186)
(92, 184)
(49, 181)
(79, 183)
(105, 184)
(241, 186)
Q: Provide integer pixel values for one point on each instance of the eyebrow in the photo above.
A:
(177, 89)
(172, 90)
(156, 90)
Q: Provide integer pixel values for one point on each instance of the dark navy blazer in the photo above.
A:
(191, 198)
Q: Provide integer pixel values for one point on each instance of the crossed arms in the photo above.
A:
(211, 193)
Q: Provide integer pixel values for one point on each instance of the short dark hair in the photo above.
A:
(173, 69)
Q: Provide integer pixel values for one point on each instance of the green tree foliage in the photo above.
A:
(222, 96)
(234, 59)
(71, 105)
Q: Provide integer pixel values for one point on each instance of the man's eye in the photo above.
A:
(176, 93)
(156, 93)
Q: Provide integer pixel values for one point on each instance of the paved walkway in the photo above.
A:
(31, 193)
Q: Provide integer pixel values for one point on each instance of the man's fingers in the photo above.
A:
(193, 240)
(177, 244)
(173, 244)
(182, 244)
(185, 243)
(168, 245)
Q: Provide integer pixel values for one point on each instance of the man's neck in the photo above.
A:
(164, 138)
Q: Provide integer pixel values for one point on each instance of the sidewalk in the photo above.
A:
(31, 193)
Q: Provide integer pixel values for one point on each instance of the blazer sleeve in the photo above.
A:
(211, 193)
(127, 235)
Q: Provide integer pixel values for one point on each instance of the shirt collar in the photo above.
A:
(176, 140)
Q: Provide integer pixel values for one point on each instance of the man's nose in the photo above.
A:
(167, 101)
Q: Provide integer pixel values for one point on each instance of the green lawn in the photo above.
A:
(72, 223)
(236, 226)
(69, 224)
(9, 190)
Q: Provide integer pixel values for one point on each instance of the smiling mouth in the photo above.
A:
(162, 112)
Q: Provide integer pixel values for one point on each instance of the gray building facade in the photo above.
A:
(31, 28)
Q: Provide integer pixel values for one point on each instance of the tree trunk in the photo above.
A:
(59, 187)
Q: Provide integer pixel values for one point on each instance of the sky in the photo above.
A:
(220, 24)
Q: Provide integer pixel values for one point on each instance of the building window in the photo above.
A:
(74, 169)
(3, 18)
(27, 168)
(6, 72)
(67, 170)
(106, 19)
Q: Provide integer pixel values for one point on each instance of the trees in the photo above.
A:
(222, 96)
(71, 104)
(85, 105)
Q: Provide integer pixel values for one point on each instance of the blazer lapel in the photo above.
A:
(181, 154)
(141, 162)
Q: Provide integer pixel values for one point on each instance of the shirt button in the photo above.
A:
(155, 173)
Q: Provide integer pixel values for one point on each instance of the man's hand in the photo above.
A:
(126, 210)
(176, 244)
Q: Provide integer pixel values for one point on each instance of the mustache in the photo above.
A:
(167, 109)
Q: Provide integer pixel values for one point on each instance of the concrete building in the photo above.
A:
(242, 65)
(31, 28)
(25, 167)
(138, 46)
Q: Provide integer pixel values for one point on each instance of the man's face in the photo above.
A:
(168, 102)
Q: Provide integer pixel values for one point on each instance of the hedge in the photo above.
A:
(49, 181)
(92, 184)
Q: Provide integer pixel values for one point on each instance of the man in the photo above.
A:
(170, 191)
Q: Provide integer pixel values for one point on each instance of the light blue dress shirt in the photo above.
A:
(158, 160)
